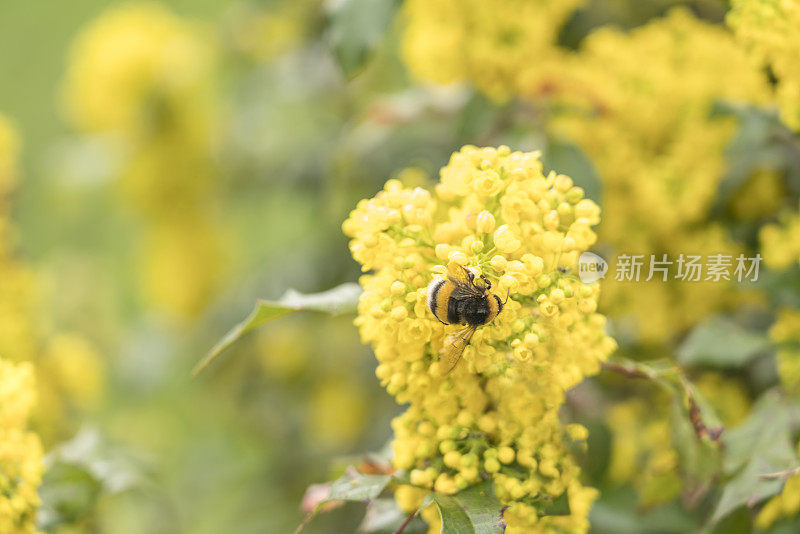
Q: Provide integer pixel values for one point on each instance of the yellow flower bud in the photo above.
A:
(505, 240)
(505, 454)
(398, 288)
(498, 263)
(550, 220)
(485, 222)
(400, 313)
(458, 257)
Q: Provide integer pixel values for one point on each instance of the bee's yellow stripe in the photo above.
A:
(443, 300)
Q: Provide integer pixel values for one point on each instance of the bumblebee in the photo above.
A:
(463, 300)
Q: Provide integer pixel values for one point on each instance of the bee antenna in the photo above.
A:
(507, 295)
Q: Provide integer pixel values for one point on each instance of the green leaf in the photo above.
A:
(340, 299)
(557, 506)
(78, 472)
(475, 510)
(354, 486)
(383, 516)
(567, 158)
(720, 342)
(356, 28)
(700, 459)
(762, 142)
(69, 493)
(760, 445)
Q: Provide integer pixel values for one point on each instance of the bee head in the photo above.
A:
(485, 284)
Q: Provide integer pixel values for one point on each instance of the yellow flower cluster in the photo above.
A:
(496, 414)
(144, 78)
(498, 46)
(642, 106)
(770, 29)
(20, 450)
(780, 243)
(130, 61)
(20, 311)
(641, 450)
(785, 333)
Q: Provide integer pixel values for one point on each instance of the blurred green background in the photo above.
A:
(151, 233)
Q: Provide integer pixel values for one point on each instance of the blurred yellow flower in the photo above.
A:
(336, 413)
(780, 242)
(132, 65)
(496, 414)
(770, 29)
(641, 107)
(785, 333)
(641, 450)
(760, 196)
(146, 77)
(182, 265)
(74, 367)
(285, 353)
(21, 311)
(495, 45)
(728, 395)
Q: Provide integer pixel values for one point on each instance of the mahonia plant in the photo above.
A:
(143, 78)
(495, 416)
(489, 44)
(20, 449)
(785, 333)
(770, 29)
(780, 242)
(641, 107)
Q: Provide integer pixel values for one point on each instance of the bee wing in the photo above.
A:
(454, 346)
(460, 276)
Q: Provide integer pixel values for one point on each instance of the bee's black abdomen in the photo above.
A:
(454, 311)
(473, 311)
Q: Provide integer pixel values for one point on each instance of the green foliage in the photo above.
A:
(761, 445)
(340, 299)
(475, 510)
(720, 342)
(81, 471)
(762, 142)
(356, 29)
